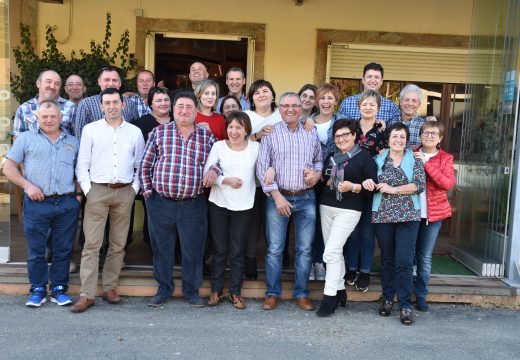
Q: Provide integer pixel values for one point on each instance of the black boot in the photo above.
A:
(250, 268)
(328, 306)
(341, 297)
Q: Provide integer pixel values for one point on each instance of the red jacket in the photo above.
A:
(440, 178)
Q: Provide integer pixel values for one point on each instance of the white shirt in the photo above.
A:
(109, 155)
(234, 163)
(422, 196)
(323, 131)
(258, 121)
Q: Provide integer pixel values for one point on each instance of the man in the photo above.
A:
(89, 110)
(75, 88)
(48, 155)
(235, 81)
(372, 80)
(198, 72)
(145, 81)
(49, 85)
(109, 156)
(295, 155)
(173, 187)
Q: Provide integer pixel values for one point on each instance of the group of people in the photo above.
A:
(224, 170)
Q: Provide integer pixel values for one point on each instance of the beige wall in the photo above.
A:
(290, 30)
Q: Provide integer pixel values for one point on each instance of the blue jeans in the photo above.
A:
(318, 245)
(423, 251)
(60, 216)
(397, 244)
(361, 243)
(189, 218)
(304, 214)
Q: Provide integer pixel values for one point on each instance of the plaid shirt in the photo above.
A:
(172, 166)
(89, 110)
(414, 125)
(25, 117)
(142, 108)
(349, 108)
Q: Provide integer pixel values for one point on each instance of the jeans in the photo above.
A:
(257, 221)
(304, 214)
(188, 218)
(318, 245)
(60, 215)
(229, 231)
(397, 244)
(361, 243)
(423, 251)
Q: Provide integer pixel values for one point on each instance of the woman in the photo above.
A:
(307, 96)
(435, 206)
(396, 214)
(263, 113)
(341, 203)
(360, 246)
(230, 205)
(229, 103)
(207, 95)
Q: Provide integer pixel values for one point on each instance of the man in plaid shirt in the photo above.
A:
(172, 182)
(145, 81)
(372, 80)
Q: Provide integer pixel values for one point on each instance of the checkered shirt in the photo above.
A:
(349, 109)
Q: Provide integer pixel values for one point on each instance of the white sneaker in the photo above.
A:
(319, 271)
(312, 276)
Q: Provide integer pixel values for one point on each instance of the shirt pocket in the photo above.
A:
(67, 157)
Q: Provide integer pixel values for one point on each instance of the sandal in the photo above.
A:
(237, 301)
(386, 308)
(406, 316)
(214, 298)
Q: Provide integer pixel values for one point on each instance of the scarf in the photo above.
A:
(338, 162)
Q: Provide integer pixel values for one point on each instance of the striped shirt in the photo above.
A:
(172, 166)
(142, 108)
(289, 153)
(414, 125)
(349, 109)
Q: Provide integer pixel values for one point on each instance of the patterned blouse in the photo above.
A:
(399, 208)
(373, 141)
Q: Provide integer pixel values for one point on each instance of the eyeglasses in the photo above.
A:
(431, 134)
(342, 137)
(160, 101)
(230, 107)
(287, 106)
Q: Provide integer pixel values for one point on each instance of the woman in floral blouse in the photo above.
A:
(396, 214)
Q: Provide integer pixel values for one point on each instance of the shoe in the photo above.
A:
(250, 268)
(82, 304)
(37, 298)
(111, 296)
(214, 298)
(196, 301)
(237, 301)
(341, 297)
(73, 268)
(319, 271)
(327, 306)
(386, 308)
(157, 300)
(406, 316)
(59, 296)
(351, 277)
(305, 303)
(420, 304)
(312, 274)
(363, 281)
(270, 303)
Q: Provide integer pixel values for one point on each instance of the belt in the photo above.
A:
(177, 199)
(289, 192)
(114, 186)
(57, 196)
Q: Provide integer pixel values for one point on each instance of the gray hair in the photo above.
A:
(410, 88)
(289, 94)
(46, 104)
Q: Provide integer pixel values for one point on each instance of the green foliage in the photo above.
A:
(86, 65)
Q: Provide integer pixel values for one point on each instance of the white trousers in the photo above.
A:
(337, 224)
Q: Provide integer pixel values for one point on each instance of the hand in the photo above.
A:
(309, 124)
(420, 156)
(282, 205)
(369, 185)
(209, 178)
(270, 175)
(266, 130)
(383, 124)
(384, 188)
(34, 192)
(345, 186)
(204, 125)
(79, 198)
(234, 182)
(311, 177)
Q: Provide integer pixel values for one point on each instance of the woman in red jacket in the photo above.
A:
(435, 207)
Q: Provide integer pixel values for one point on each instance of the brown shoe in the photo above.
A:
(305, 303)
(237, 301)
(214, 298)
(82, 304)
(111, 296)
(270, 303)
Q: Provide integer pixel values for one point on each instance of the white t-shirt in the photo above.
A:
(323, 131)
(422, 196)
(258, 121)
(233, 163)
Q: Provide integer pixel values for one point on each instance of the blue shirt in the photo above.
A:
(414, 125)
(25, 117)
(46, 165)
(244, 103)
(89, 110)
(142, 108)
(349, 109)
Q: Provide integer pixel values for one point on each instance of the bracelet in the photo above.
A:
(398, 190)
(353, 188)
(79, 193)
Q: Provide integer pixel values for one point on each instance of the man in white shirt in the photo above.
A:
(109, 156)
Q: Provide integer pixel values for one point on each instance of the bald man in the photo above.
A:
(198, 72)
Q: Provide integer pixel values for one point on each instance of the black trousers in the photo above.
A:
(229, 232)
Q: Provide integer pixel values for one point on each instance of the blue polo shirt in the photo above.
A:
(50, 166)
(350, 110)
